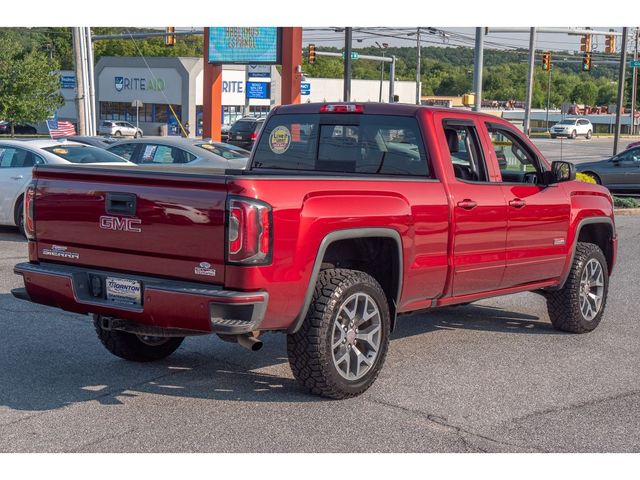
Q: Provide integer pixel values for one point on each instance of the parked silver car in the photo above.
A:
(180, 152)
(113, 128)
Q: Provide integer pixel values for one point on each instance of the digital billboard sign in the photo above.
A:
(244, 45)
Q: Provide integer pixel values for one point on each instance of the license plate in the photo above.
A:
(124, 291)
(238, 137)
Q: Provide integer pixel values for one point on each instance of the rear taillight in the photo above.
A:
(254, 135)
(249, 232)
(29, 205)
(342, 108)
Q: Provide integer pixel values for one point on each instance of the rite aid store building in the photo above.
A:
(178, 82)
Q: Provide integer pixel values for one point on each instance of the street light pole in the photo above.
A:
(548, 97)
(623, 61)
(381, 47)
(418, 66)
(532, 64)
(634, 86)
(347, 64)
(477, 69)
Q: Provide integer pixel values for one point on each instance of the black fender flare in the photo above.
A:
(349, 233)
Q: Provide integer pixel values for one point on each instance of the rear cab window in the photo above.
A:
(343, 143)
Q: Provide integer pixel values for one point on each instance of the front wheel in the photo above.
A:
(579, 305)
(342, 344)
(137, 348)
(118, 134)
(574, 134)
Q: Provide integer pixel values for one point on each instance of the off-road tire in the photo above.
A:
(130, 347)
(309, 349)
(564, 305)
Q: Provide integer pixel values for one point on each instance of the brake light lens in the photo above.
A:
(342, 108)
(249, 232)
(254, 135)
(29, 205)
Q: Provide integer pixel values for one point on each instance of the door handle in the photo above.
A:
(517, 203)
(467, 204)
(18, 177)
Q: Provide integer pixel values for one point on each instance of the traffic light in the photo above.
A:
(311, 58)
(610, 43)
(586, 62)
(170, 37)
(585, 43)
(546, 61)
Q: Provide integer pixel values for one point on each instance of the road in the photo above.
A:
(580, 149)
(490, 376)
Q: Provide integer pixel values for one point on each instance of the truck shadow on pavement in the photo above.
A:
(51, 359)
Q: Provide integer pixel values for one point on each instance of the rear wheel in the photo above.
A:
(595, 177)
(137, 348)
(579, 305)
(342, 344)
(554, 136)
(19, 216)
(589, 134)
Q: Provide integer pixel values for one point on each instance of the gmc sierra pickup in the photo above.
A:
(347, 216)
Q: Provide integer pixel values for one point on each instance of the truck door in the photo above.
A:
(479, 211)
(538, 215)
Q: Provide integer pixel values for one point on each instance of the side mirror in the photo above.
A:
(562, 171)
(615, 160)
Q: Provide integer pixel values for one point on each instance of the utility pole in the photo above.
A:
(634, 86)
(347, 64)
(92, 83)
(77, 51)
(382, 48)
(418, 66)
(392, 79)
(623, 62)
(532, 64)
(477, 68)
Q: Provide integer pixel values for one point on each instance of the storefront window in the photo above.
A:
(149, 112)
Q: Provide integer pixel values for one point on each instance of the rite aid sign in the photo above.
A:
(116, 84)
(141, 84)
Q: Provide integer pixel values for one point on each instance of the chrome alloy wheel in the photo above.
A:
(152, 340)
(356, 336)
(591, 289)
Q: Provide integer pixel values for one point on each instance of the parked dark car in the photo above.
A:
(620, 173)
(18, 129)
(244, 132)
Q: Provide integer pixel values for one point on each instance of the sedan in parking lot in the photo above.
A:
(572, 128)
(620, 173)
(17, 159)
(177, 151)
(119, 129)
(18, 129)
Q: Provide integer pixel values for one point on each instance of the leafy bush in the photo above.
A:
(585, 177)
(626, 202)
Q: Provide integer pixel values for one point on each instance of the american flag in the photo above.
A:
(60, 128)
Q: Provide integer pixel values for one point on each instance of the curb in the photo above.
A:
(626, 211)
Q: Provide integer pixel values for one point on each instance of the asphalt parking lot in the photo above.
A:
(491, 376)
(580, 149)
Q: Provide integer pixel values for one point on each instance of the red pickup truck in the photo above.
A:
(346, 216)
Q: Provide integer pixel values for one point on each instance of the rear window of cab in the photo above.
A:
(342, 143)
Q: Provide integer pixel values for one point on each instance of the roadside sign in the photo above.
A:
(259, 71)
(258, 90)
(137, 104)
(67, 81)
(305, 88)
(634, 63)
(354, 55)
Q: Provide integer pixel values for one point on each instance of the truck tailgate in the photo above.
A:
(127, 219)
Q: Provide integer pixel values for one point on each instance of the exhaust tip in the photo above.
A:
(250, 343)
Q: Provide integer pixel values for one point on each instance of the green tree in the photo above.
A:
(585, 93)
(29, 88)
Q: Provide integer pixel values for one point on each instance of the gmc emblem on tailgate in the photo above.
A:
(120, 224)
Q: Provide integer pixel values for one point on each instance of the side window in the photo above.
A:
(162, 154)
(125, 150)
(466, 153)
(630, 156)
(517, 164)
(18, 158)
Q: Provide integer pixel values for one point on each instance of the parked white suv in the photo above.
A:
(572, 127)
(114, 128)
